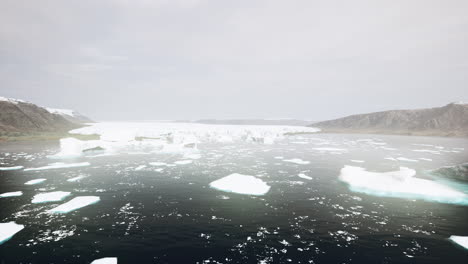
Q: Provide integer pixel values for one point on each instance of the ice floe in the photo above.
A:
(460, 240)
(75, 203)
(303, 176)
(331, 149)
(108, 260)
(11, 194)
(77, 178)
(183, 162)
(406, 159)
(8, 230)
(59, 165)
(35, 181)
(50, 197)
(401, 183)
(297, 161)
(11, 168)
(242, 184)
(357, 161)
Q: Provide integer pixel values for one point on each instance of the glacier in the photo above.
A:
(8, 230)
(74, 204)
(400, 183)
(242, 184)
(50, 197)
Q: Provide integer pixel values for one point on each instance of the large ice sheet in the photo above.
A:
(35, 181)
(59, 165)
(11, 194)
(108, 260)
(8, 230)
(167, 137)
(239, 183)
(11, 168)
(75, 203)
(460, 240)
(50, 197)
(401, 183)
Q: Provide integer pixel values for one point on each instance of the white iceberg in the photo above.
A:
(36, 181)
(297, 161)
(460, 240)
(50, 197)
(11, 168)
(77, 178)
(242, 184)
(108, 260)
(59, 165)
(401, 183)
(303, 176)
(74, 204)
(8, 230)
(183, 162)
(11, 194)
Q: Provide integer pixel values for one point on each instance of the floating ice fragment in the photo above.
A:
(357, 161)
(107, 260)
(11, 194)
(50, 197)
(401, 183)
(331, 149)
(8, 230)
(11, 168)
(59, 165)
(303, 176)
(239, 183)
(460, 240)
(139, 168)
(157, 163)
(36, 181)
(183, 162)
(406, 159)
(297, 161)
(74, 204)
(75, 179)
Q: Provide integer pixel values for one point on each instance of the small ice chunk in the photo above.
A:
(183, 162)
(139, 168)
(8, 230)
(331, 149)
(36, 181)
(460, 240)
(107, 260)
(50, 197)
(242, 184)
(74, 204)
(59, 165)
(11, 168)
(157, 163)
(11, 194)
(357, 161)
(406, 159)
(297, 161)
(303, 176)
(75, 179)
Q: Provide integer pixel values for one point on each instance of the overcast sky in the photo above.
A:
(189, 59)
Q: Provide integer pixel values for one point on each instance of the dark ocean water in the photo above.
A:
(173, 216)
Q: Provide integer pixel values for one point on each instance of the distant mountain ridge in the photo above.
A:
(450, 120)
(18, 116)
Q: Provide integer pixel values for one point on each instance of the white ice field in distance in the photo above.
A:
(167, 137)
(35, 181)
(242, 184)
(297, 161)
(400, 183)
(11, 168)
(74, 204)
(108, 260)
(8, 230)
(11, 194)
(59, 165)
(460, 240)
(50, 197)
